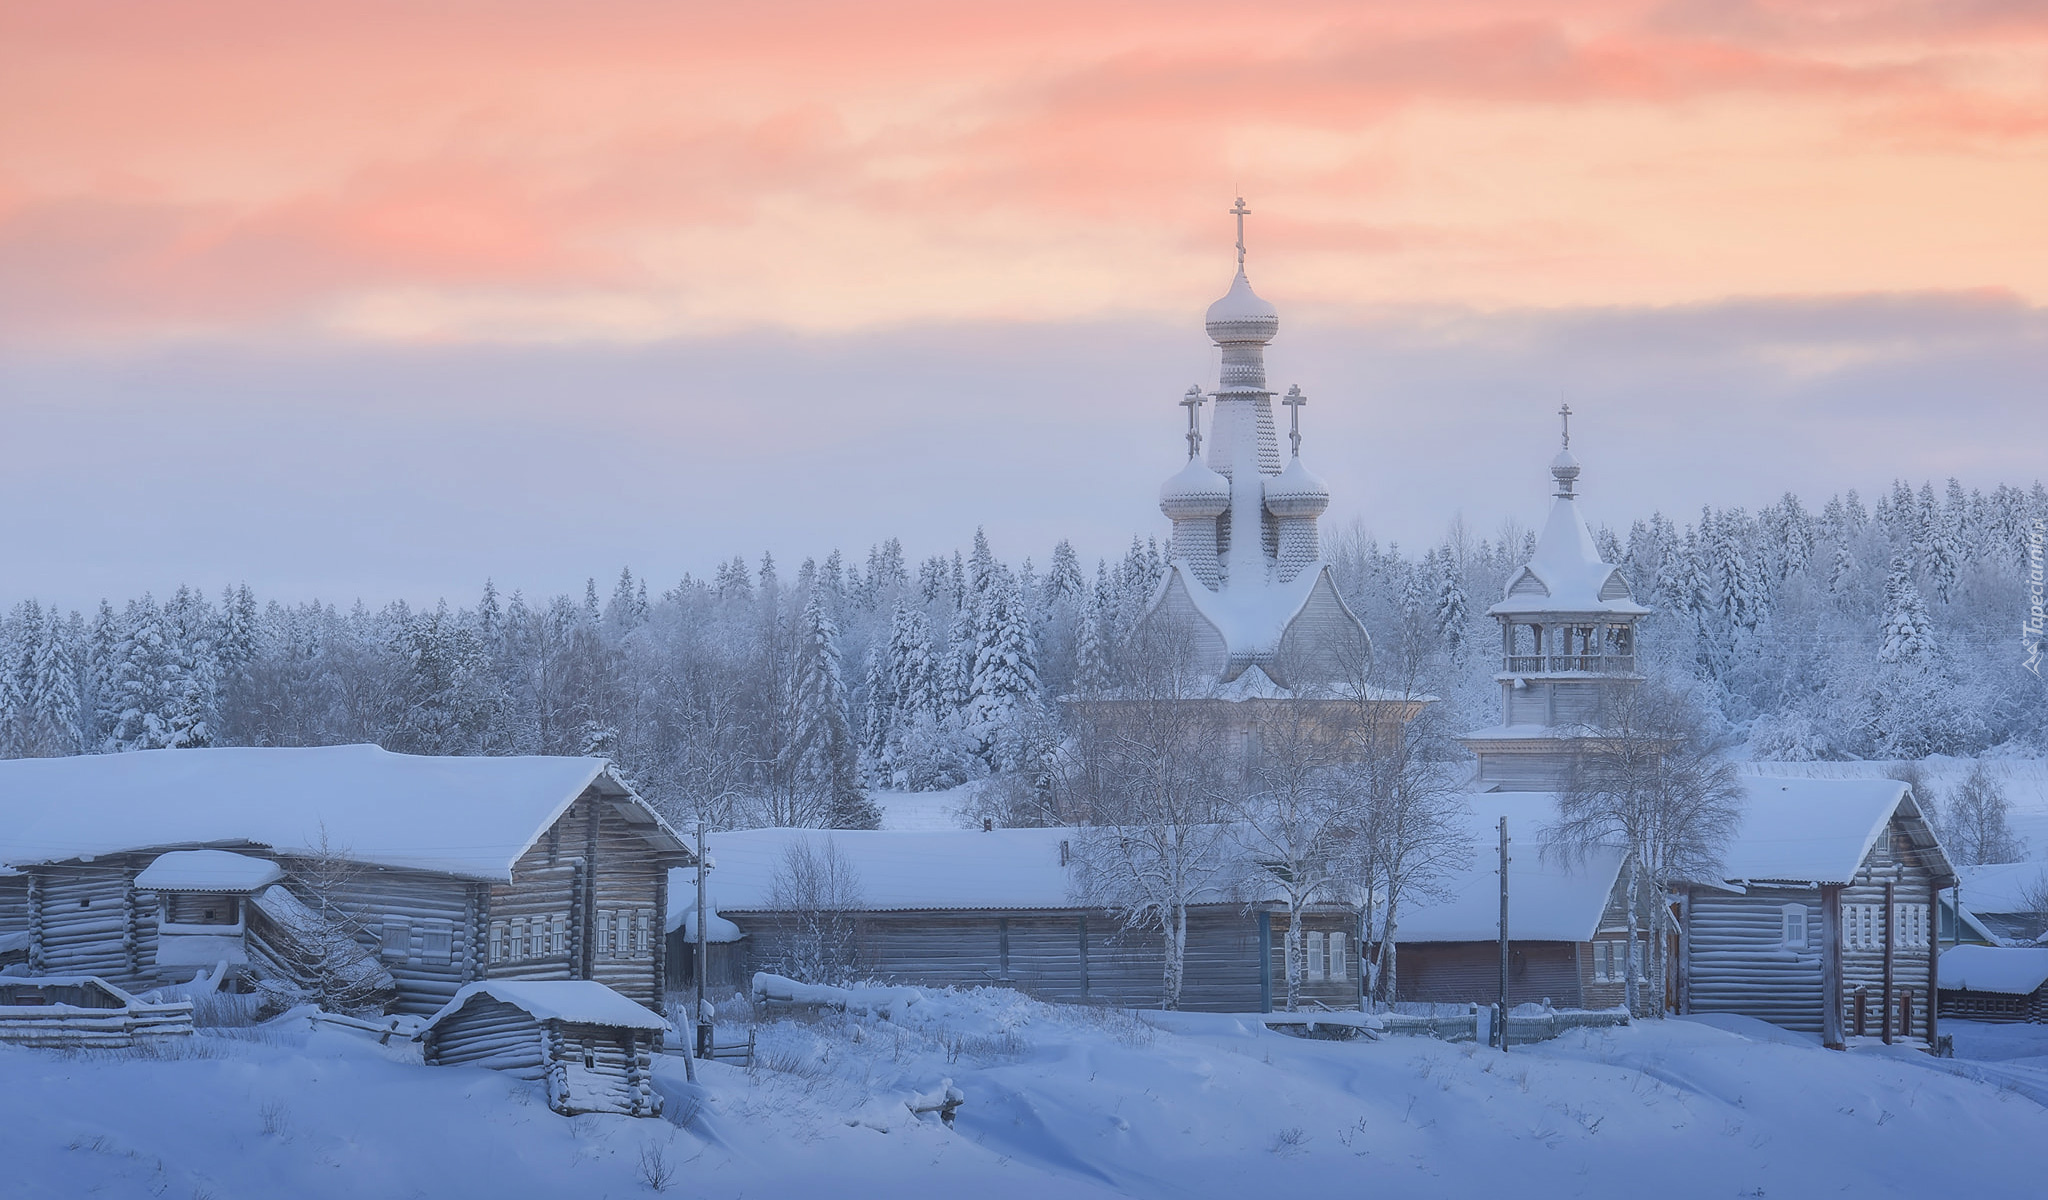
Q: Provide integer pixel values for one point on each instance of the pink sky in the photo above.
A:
(509, 170)
(338, 297)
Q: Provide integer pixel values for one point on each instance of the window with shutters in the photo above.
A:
(1339, 960)
(396, 942)
(558, 935)
(643, 935)
(1910, 925)
(1315, 955)
(1792, 930)
(437, 943)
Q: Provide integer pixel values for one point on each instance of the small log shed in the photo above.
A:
(590, 1048)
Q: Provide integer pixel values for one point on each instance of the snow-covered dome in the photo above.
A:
(1194, 492)
(1241, 316)
(1295, 492)
(1565, 469)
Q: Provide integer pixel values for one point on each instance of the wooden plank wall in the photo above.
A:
(1469, 972)
(1335, 993)
(1738, 961)
(1043, 955)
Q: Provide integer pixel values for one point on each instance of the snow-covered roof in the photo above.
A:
(1820, 830)
(2002, 887)
(1554, 895)
(208, 871)
(1565, 574)
(575, 1001)
(464, 816)
(1252, 616)
(896, 869)
(682, 909)
(2007, 970)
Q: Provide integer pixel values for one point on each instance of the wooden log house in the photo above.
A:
(1822, 921)
(1567, 918)
(998, 908)
(589, 1048)
(450, 870)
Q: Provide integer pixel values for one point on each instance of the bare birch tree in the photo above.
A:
(1148, 777)
(1296, 823)
(1647, 782)
(816, 890)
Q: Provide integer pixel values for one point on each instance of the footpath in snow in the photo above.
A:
(1058, 1101)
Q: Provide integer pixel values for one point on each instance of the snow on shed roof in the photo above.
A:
(682, 910)
(463, 816)
(1820, 830)
(1553, 895)
(2007, 970)
(896, 869)
(208, 871)
(575, 1001)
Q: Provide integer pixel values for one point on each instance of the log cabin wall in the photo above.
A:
(1469, 972)
(1758, 954)
(585, 1068)
(13, 904)
(88, 919)
(1887, 914)
(585, 902)
(419, 925)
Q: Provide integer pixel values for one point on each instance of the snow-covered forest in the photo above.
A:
(779, 694)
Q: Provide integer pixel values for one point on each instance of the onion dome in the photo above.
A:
(1194, 492)
(1565, 469)
(1241, 316)
(1295, 492)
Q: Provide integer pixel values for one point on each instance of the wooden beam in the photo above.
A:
(1831, 966)
(1890, 937)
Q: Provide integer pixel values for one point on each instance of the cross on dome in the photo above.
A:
(1241, 212)
(1193, 403)
(1566, 412)
(1294, 400)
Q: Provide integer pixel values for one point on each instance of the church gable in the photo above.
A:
(1616, 588)
(1527, 583)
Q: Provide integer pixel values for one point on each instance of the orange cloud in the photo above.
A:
(627, 169)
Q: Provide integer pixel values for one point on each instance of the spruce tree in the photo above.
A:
(823, 758)
(1908, 635)
(1004, 702)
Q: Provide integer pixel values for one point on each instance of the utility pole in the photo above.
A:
(1503, 1022)
(703, 950)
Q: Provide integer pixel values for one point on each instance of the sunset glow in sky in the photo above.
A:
(189, 185)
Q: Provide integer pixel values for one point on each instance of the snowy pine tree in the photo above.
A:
(1004, 704)
(822, 756)
(1908, 633)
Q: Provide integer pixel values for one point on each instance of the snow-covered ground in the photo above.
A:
(2024, 781)
(1059, 1102)
(926, 810)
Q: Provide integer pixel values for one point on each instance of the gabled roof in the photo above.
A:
(573, 1001)
(1821, 830)
(472, 817)
(1554, 895)
(1565, 575)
